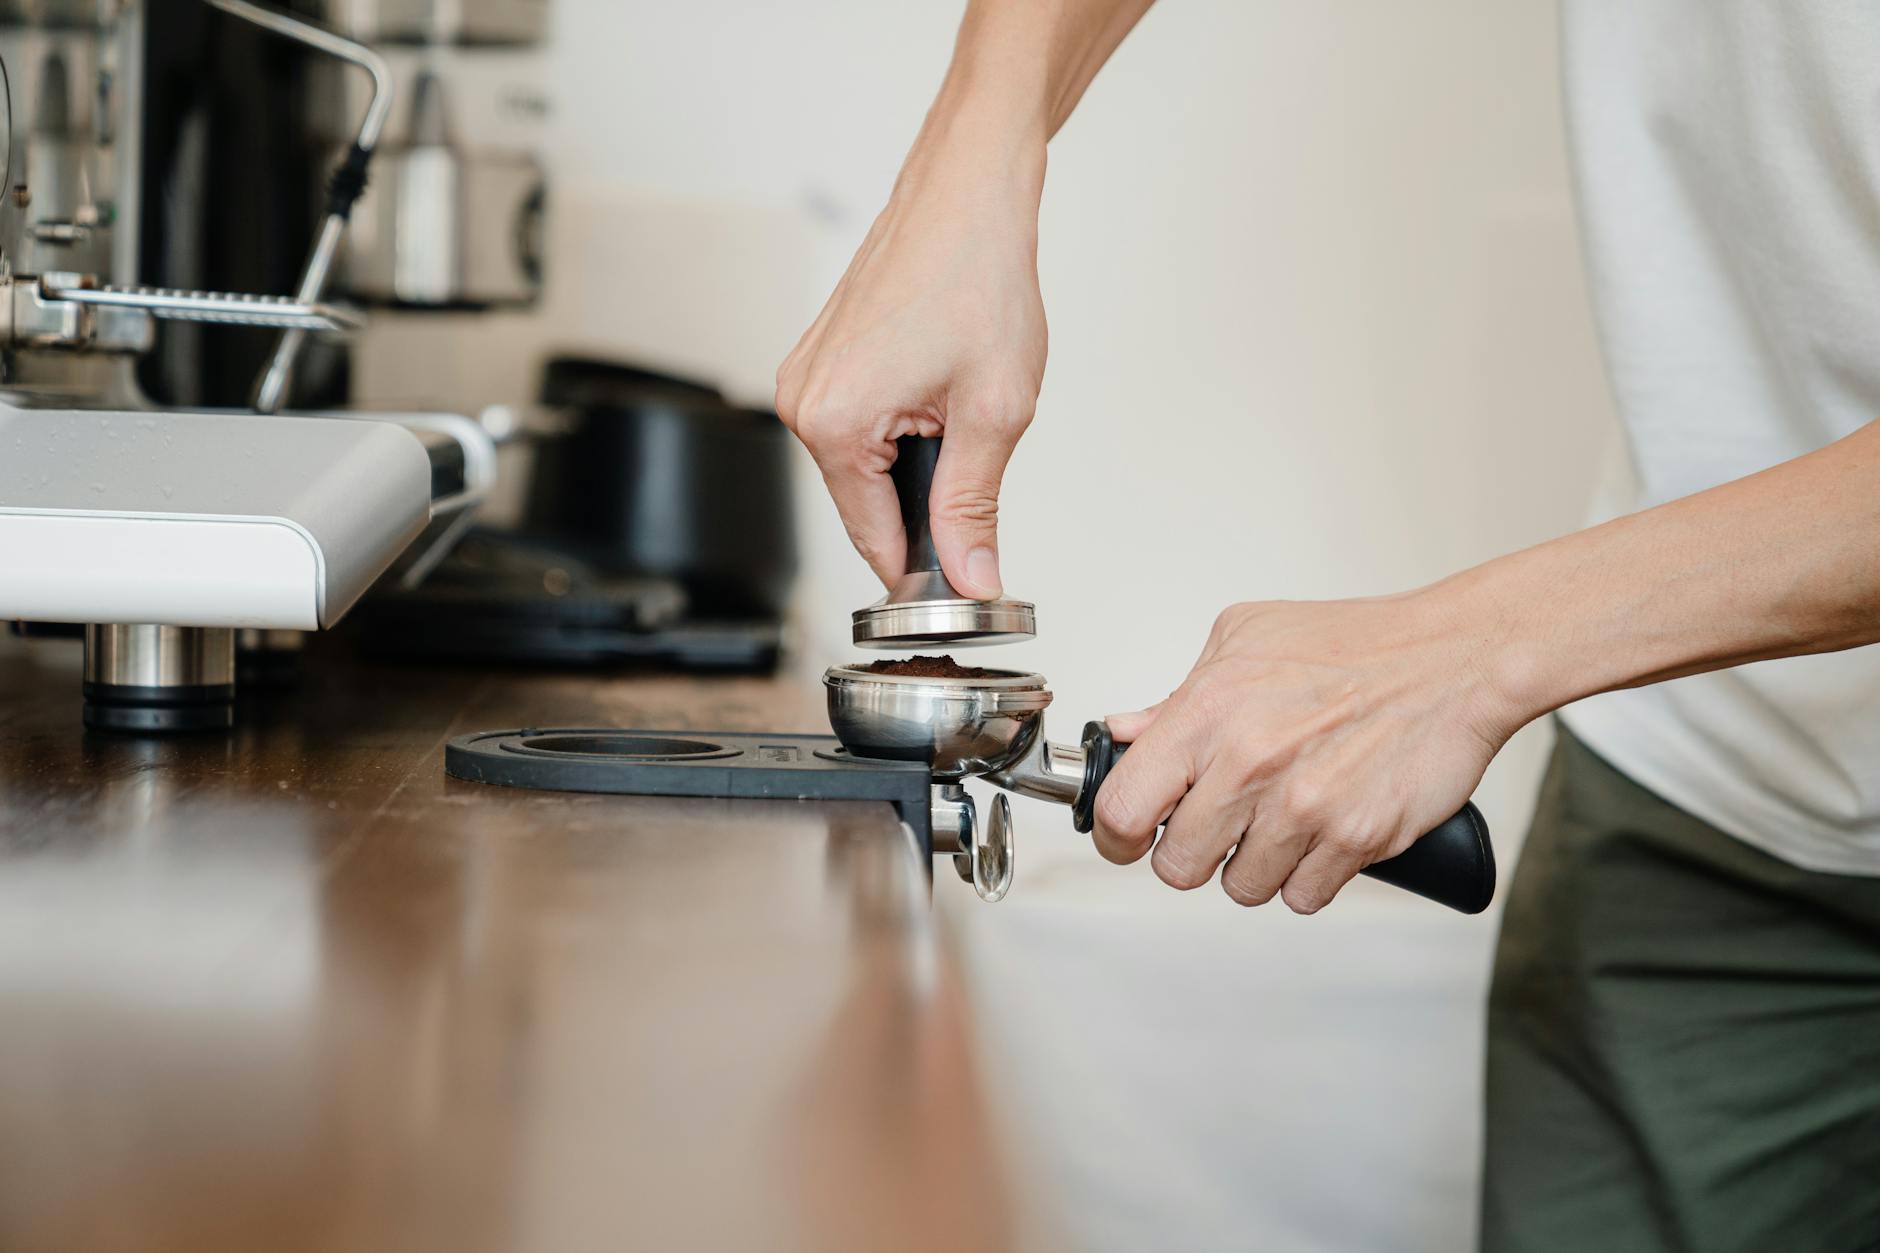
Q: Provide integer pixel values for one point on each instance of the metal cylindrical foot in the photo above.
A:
(146, 679)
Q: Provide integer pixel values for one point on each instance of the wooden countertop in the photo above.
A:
(294, 989)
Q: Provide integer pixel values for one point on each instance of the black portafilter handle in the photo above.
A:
(1453, 865)
(912, 472)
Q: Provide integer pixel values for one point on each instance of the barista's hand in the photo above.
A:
(937, 328)
(1316, 737)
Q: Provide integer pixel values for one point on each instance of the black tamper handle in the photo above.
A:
(914, 461)
(1453, 865)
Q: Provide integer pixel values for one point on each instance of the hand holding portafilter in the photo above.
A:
(1452, 864)
(991, 726)
(923, 609)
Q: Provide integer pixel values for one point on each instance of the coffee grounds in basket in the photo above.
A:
(927, 668)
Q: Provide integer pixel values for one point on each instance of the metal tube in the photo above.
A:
(291, 27)
(1047, 772)
(271, 393)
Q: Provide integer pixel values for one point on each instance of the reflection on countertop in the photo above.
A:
(295, 989)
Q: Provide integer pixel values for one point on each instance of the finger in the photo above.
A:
(1143, 788)
(1264, 858)
(964, 505)
(871, 513)
(1204, 828)
(1332, 862)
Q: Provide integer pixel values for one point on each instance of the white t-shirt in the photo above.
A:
(1728, 163)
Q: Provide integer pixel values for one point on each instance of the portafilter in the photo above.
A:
(991, 726)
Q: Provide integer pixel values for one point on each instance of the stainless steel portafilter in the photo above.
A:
(956, 727)
(992, 726)
(923, 609)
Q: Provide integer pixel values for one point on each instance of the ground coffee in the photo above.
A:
(927, 668)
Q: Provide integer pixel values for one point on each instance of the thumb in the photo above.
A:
(1129, 727)
(963, 509)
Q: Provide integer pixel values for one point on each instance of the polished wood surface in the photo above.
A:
(294, 989)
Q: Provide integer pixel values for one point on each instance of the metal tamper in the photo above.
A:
(991, 726)
(923, 609)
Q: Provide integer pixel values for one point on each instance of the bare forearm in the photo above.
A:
(1778, 564)
(1019, 68)
(1039, 53)
(938, 325)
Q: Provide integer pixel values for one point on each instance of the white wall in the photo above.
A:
(1317, 330)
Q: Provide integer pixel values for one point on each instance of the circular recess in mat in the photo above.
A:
(617, 746)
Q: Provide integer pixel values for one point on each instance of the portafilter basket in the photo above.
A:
(992, 725)
(958, 727)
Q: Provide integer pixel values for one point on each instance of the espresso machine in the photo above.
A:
(202, 199)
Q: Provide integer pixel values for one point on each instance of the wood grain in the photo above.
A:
(294, 989)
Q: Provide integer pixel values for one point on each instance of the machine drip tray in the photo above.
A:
(742, 764)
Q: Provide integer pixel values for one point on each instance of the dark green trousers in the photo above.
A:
(1683, 1038)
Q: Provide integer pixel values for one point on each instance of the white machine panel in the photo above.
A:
(194, 519)
(170, 571)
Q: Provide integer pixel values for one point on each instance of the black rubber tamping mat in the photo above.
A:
(741, 764)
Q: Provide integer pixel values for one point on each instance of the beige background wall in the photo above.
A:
(1317, 330)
